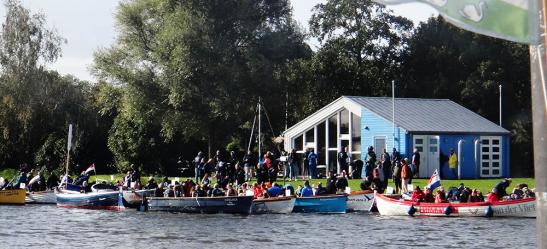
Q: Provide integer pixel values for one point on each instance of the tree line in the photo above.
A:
(184, 76)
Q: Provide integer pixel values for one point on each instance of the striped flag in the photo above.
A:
(90, 168)
(506, 19)
(434, 181)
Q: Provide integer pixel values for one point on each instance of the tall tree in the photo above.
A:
(193, 70)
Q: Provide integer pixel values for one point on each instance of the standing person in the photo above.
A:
(396, 175)
(306, 164)
(261, 174)
(370, 163)
(231, 169)
(248, 162)
(292, 161)
(406, 173)
(286, 165)
(378, 177)
(343, 160)
(198, 166)
(386, 161)
(239, 175)
(416, 162)
(312, 158)
(342, 182)
(452, 162)
(331, 183)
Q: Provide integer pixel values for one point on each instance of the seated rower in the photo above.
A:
(440, 196)
(428, 195)
(517, 192)
(417, 195)
(493, 196)
(230, 191)
(307, 190)
(216, 191)
(320, 190)
(151, 183)
(198, 192)
(274, 191)
(528, 193)
(476, 196)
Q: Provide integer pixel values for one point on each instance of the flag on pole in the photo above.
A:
(90, 168)
(506, 19)
(434, 181)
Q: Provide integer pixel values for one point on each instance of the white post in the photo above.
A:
(327, 145)
(500, 105)
(393, 109)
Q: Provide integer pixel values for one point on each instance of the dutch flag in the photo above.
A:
(434, 181)
(90, 168)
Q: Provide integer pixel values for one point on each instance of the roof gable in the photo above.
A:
(428, 115)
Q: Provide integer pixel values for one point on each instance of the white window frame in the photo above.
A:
(490, 154)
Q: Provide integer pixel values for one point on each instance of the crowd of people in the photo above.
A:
(32, 180)
(463, 194)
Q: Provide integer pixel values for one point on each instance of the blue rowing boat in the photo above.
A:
(329, 204)
(111, 200)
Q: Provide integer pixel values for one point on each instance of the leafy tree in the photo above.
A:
(193, 71)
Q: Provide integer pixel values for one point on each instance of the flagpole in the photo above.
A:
(539, 120)
(393, 109)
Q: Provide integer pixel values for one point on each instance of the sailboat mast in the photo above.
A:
(259, 128)
(68, 147)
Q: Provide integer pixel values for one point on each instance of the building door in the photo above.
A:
(379, 146)
(428, 147)
(432, 156)
(490, 156)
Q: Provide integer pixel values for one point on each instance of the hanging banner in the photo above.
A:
(506, 19)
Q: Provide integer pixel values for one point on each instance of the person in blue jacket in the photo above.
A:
(306, 191)
(274, 190)
(312, 158)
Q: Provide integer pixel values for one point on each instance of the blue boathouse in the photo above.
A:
(433, 126)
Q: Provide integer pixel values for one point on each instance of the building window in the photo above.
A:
(344, 122)
(356, 133)
(491, 156)
(333, 132)
(298, 144)
(321, 144)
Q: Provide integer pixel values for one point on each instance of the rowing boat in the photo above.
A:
(134, 198)
(511, 208)
(41, 197)
(12, 196)
(321, 204)
(360, 200)
(224, 204)
(277, 205)
(111, 200)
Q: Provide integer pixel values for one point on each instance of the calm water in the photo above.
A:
(45, 226)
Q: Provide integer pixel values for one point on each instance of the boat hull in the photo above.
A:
(42, 197)
(276, 205)
(335, 204)
(93, 200)
(12, 196)
(514, 208)
(134, 198)
(360, 201)
(231, 205)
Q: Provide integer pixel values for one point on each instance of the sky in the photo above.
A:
(89, 24)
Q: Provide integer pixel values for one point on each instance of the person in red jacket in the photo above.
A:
(440, 196)
(405, 176)
(493, 196)
(417, 195)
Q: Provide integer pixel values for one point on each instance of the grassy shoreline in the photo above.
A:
(485, 185)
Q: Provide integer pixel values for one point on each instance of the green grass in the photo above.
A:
(485, 185)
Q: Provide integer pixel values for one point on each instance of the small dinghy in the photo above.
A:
(134, 198)
(111, 200)
(511, 208)
(276, 205)
(12, 196)
(360, 201)
(224, 204)
(328, 204)
(41, 197)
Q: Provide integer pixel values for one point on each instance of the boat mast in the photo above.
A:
(259, 128)
(68, 147)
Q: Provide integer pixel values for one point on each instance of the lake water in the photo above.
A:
(46, 226)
